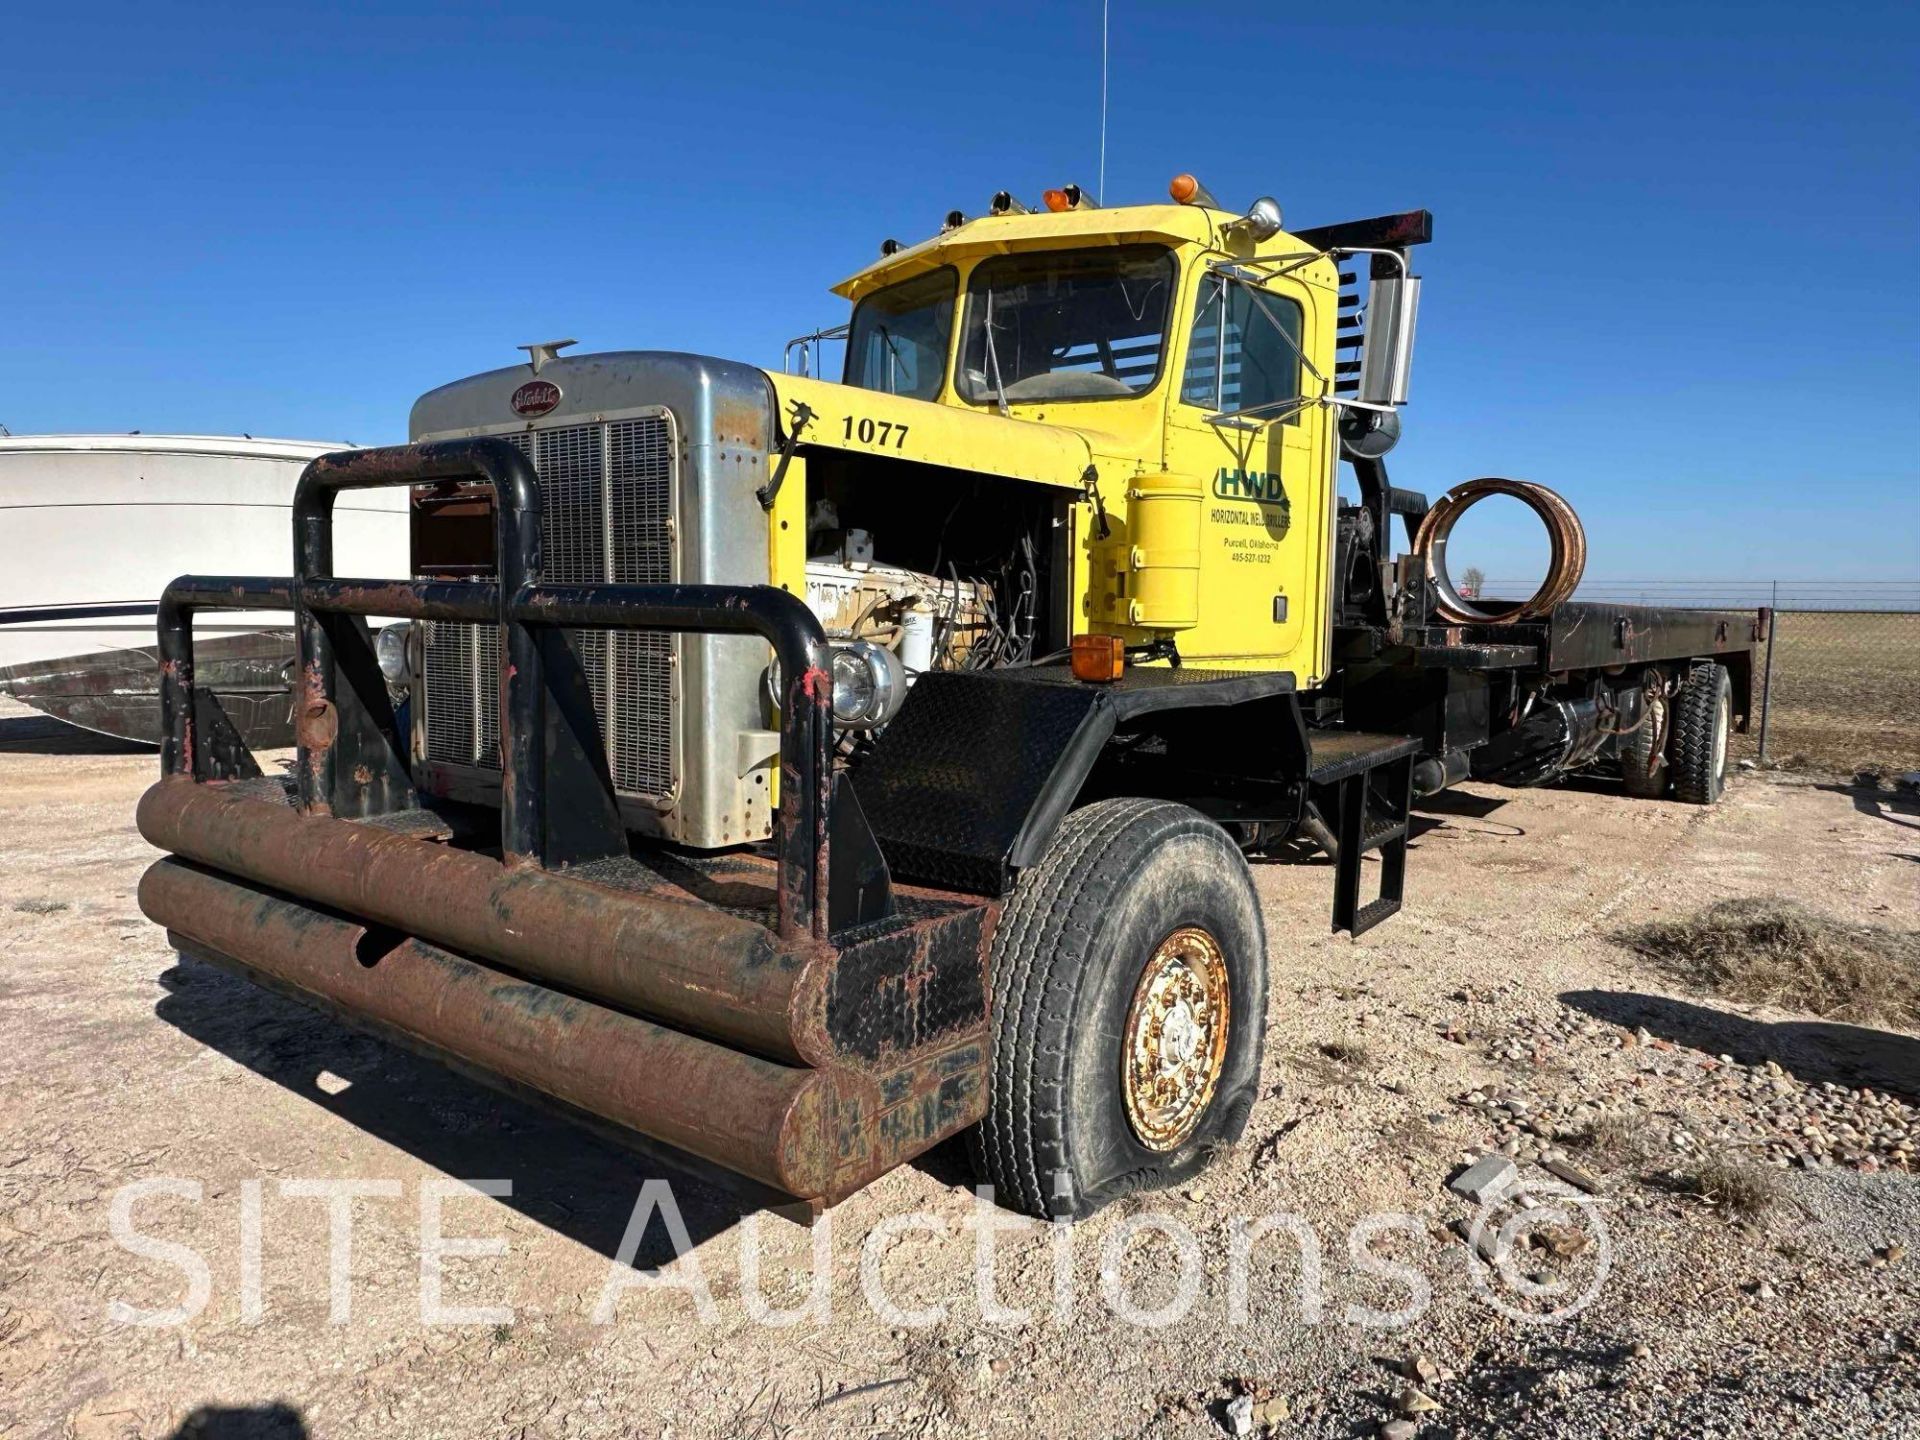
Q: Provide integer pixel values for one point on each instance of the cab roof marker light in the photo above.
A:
(955, 219)
(1070, 197)
(1003, 203)
(889, 247)
(1186, 189)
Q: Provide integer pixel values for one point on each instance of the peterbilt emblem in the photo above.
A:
(536, 397)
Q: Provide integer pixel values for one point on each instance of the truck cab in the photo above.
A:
(1191, 348)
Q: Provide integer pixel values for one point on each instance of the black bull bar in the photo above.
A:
(791, 1017)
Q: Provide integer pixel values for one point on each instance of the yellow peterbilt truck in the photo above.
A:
(787, 775)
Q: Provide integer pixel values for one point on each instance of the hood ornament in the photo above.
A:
(541, 351)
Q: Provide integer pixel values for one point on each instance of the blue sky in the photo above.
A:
(1674, 269)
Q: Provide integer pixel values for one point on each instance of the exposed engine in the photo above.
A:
(889, 625)
(916, 591)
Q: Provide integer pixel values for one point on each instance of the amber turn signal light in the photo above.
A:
(1183, 189)
(1058, 200)
(1099, 658)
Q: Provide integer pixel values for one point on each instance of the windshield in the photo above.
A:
(1066, 324)
(898, 338)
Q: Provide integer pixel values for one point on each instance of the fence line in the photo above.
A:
(1841, 690)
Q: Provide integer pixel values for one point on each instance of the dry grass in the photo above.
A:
(1613, 1141)
(1739, 1189)
(40, 907)
(1774, 952)
(1846, 692)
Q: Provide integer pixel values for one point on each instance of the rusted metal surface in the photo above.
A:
(756, 1037)
(694, 965)
(1565, 534)
(189, 741)
(806, 727)
(654, 949)
(544, 748)
(761, 1119)
(813, 1132)
(357, 764)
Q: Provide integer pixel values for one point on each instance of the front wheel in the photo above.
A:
(1129, 997)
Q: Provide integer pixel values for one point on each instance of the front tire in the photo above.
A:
(1702, 721)
(1130, 991)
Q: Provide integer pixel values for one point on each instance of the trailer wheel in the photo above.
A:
(1643, 750)
(1702, 719)
(1130, 990)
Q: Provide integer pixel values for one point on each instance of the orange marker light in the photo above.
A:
(1098, 658)
(1183, 189)
(1058, 200)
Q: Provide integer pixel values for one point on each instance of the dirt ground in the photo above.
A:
(1497, 1008)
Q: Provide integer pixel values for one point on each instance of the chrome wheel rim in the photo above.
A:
(1722, 723)
(1176, 1038)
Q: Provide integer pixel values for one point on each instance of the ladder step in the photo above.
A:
(1379, 835)
(1373, 912)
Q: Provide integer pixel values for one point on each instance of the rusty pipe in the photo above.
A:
(693, 966)
(1565, 534)
(754, 1117)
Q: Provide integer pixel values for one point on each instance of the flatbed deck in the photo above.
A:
(1579, 635)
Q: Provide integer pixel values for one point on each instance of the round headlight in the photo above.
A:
(853, 686)
(390, 647)
(868, 685)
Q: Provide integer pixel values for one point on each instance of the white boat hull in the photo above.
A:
(109, 520)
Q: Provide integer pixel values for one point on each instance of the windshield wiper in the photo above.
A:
(993, 358)
(899, 360)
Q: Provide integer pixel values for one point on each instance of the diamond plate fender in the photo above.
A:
(969, 782)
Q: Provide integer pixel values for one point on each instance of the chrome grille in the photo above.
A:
(608, 493)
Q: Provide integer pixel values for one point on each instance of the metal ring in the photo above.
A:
(1564, 533)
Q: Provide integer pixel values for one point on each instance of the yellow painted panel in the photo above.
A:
(870, 422)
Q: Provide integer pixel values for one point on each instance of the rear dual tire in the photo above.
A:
(1130, 993)
(1643, 750)
(1702, 722)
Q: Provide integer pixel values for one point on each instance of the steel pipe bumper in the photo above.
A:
(809, 1068)
(693, 966)
(749, 1115)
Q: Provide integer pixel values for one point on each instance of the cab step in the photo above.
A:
(1366, 782)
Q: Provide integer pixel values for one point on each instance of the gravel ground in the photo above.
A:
(1495, 1015)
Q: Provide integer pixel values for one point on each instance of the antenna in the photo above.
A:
(1103, 98)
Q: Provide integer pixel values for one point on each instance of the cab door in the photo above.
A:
(1235, 420)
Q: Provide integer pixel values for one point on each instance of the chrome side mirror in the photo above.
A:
(1386, 356)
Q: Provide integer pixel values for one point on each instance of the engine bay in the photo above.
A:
(912, 568)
